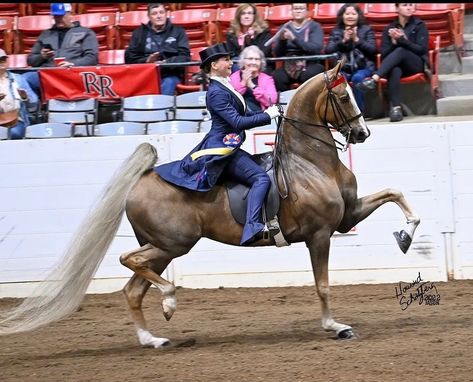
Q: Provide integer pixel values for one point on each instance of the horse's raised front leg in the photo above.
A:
(148, 263)
(319, 248)
(366, 205)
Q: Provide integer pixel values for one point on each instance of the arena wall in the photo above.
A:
(47, 187)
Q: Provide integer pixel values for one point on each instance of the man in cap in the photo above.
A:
(16, 97)
(66, 39)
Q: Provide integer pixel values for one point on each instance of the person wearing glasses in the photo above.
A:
(299, 37)
(248, 28)
(256, 87)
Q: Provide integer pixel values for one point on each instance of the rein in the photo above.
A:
(279, 145)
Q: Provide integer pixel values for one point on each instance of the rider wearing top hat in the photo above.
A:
(220, 150)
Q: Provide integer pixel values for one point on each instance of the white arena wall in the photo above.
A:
(47, 187)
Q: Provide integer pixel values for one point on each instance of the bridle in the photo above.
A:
(341, 121)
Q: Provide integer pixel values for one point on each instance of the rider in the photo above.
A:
(219, 152)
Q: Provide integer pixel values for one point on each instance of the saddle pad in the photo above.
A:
(237, 193)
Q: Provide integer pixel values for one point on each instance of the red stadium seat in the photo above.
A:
(13, 9)
(112, 57)
(226, 15)
(43, 8)
(189, 85)
(28, 30)
(200, 25)
(127, 22)
(434, 54)
(18, 61)
(103, 24)
(278, 15)
(7, 25)
(101, 7)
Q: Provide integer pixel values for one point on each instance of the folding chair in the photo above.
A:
(119, 128)
(191, 107)
(28, 30)
(173, 127)
(148, 108)
(81, 114)
(49, 130)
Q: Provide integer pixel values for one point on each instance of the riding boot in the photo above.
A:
(254, 228)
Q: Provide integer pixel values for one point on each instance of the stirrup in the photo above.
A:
(269, 231)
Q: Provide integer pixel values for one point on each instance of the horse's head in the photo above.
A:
(336, 106)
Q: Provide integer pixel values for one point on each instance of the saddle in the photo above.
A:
(237, 193)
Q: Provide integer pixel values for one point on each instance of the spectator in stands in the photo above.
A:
(247, 28)
(299, 37)
(355, 40)
(66, 39)
(256, 87)
(159, 41)
(220, 150)
(404, 49)
(15, 98)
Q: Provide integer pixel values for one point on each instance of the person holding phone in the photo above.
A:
(16, 97)
(65, 44)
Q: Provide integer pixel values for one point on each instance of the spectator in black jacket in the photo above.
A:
(160, 41)
(247, 28)
(355, 40)
(404, 49)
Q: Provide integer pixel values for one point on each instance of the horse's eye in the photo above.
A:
(345, 98)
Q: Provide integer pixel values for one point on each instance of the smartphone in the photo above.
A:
(47, 46)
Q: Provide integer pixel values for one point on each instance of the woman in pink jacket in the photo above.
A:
(256, 87)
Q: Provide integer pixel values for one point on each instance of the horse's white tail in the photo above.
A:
(63, 290)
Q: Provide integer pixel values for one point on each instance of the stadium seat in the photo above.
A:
(226, 15)
(13, 9)
(191, 107)
(103, 24)
(432, 78)
(378, 15)
(127, 22)
(148, 108)
(205, 126)
(119, 128)
(189, 71)
(18, 60)
(101, 7)
(4, 133)
(82, 114)
(112, 57)
(278, 15)
(49, 130)
(285, 98)
(200, 25)
(33, 8)
(173, 127)
(28, 30)
(7, 34)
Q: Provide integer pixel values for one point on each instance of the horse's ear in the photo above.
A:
(336, 69)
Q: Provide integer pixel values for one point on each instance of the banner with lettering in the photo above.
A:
(103, 82)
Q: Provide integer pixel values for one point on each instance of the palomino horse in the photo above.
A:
(318, 197)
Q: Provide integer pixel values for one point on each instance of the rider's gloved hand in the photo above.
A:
(273, 111)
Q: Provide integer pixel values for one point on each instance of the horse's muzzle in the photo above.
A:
(361, 135)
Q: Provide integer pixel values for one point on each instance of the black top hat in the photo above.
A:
(212, 53)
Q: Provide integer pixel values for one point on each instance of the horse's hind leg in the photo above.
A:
(148, 263)
(319, 247)
(366, 205)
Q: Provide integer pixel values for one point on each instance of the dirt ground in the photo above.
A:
(254, 334)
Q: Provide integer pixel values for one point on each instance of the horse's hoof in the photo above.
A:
(403, 240)
(169, 307)
(346, 334)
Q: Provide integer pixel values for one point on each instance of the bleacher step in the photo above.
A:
(468, 43)
(455, 105)
(456, 84)
(468, 22)
(467, 65)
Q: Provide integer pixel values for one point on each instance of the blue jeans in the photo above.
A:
(18, 131)
(168, 85)
(33, 80)
(355, 79)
